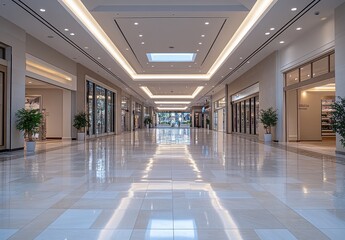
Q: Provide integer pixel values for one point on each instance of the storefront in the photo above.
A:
(137, 115)
(100, 104)
(245, 111)
(219, 117)
(125, 113)
(309, 94)
(3, 71)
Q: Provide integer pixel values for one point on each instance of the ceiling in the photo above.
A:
(203, 27)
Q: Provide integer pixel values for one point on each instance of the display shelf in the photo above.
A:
(326, 113)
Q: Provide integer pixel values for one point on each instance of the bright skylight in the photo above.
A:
(171, 57)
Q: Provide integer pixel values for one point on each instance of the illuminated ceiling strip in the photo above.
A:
(172, 102)
(172, 108)
(84, 17)
(195, 93)
(48, 70)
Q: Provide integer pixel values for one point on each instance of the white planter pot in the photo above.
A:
(268, 137)
(30, 146)
(81, 137)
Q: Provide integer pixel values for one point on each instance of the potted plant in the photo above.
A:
(28, 121)
(268, 118)
(80, 122)
(338, 119)
(147, 122)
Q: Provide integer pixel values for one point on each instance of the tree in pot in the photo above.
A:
(338, 119)
(28, 121)
(147, 122)
(269, 119)
(80, 122)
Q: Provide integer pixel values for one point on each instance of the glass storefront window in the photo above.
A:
(243, 117)
(100, 110)
(2, 109)
(332, 63)
(292, 77)
(234, 117)
(110, 111)
(238, 117)
(252, 116)
(90, 107)
(100, 107)
(247, 116)
(257, 110)
(320, 67)
(306, 72)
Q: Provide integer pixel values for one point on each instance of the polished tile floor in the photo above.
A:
(171, 184)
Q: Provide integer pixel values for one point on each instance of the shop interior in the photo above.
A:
(308, 115)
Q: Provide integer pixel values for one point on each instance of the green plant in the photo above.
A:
(338, 119)
(207, 121)
(147, 121)
(28, 120)
(80, 121)
(268, 118)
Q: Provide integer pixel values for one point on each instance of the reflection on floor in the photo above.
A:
(171, 184)
(326, 146)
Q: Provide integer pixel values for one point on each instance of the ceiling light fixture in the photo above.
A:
(172, 108)
(267, 33)
(195, 93)
(142, 43)
(30, 82)
(66, 29)
(202, 35)
(42, 10)
(136, 24)
(207, 23)
(72, 34)
(281, 42)
(85, 18)
(293, 9)
(299, 28)
(272, 29)
(140, 35)
(172, 102)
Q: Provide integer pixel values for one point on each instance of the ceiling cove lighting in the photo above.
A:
(195, 93)
(172, 102)
(172, 108)
(47, 70)
(84, 17)
(171, 57)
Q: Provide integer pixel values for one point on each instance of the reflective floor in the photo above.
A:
(171, 184)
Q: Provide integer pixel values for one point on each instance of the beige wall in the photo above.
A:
(82, 72)
(263, 73)
(53, 103)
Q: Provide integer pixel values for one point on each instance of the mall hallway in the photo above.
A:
(171, 184)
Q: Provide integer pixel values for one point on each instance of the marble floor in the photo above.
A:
(171, 184)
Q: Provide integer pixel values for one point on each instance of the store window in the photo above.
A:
(100, 107)
(245, 115)
(2, 53)
(320, 67)
(311, 70)
(292, 77)
(2, 108)
(306, 72)
(124, 113)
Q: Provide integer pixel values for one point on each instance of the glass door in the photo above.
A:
(2, 106)
(100, 110)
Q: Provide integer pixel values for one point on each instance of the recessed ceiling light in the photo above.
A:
(272, 29)
(281, 42)
(66, 29)
(299, 28)
(230, 68)
(42, 10)
(241, 58)
(207, 23)
(293, 9)
(248, 62)
(86, 47)
(142, 43)
(136, 24)
(109, 68)
(72, 34)
(140, 35)
(267, 33)
(323, 19)
(127, 49)
(197, 50)
(203, 35)
(30, 82)
(98, 58)
(200, 43)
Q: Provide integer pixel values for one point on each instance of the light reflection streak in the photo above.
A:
(164, 151)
